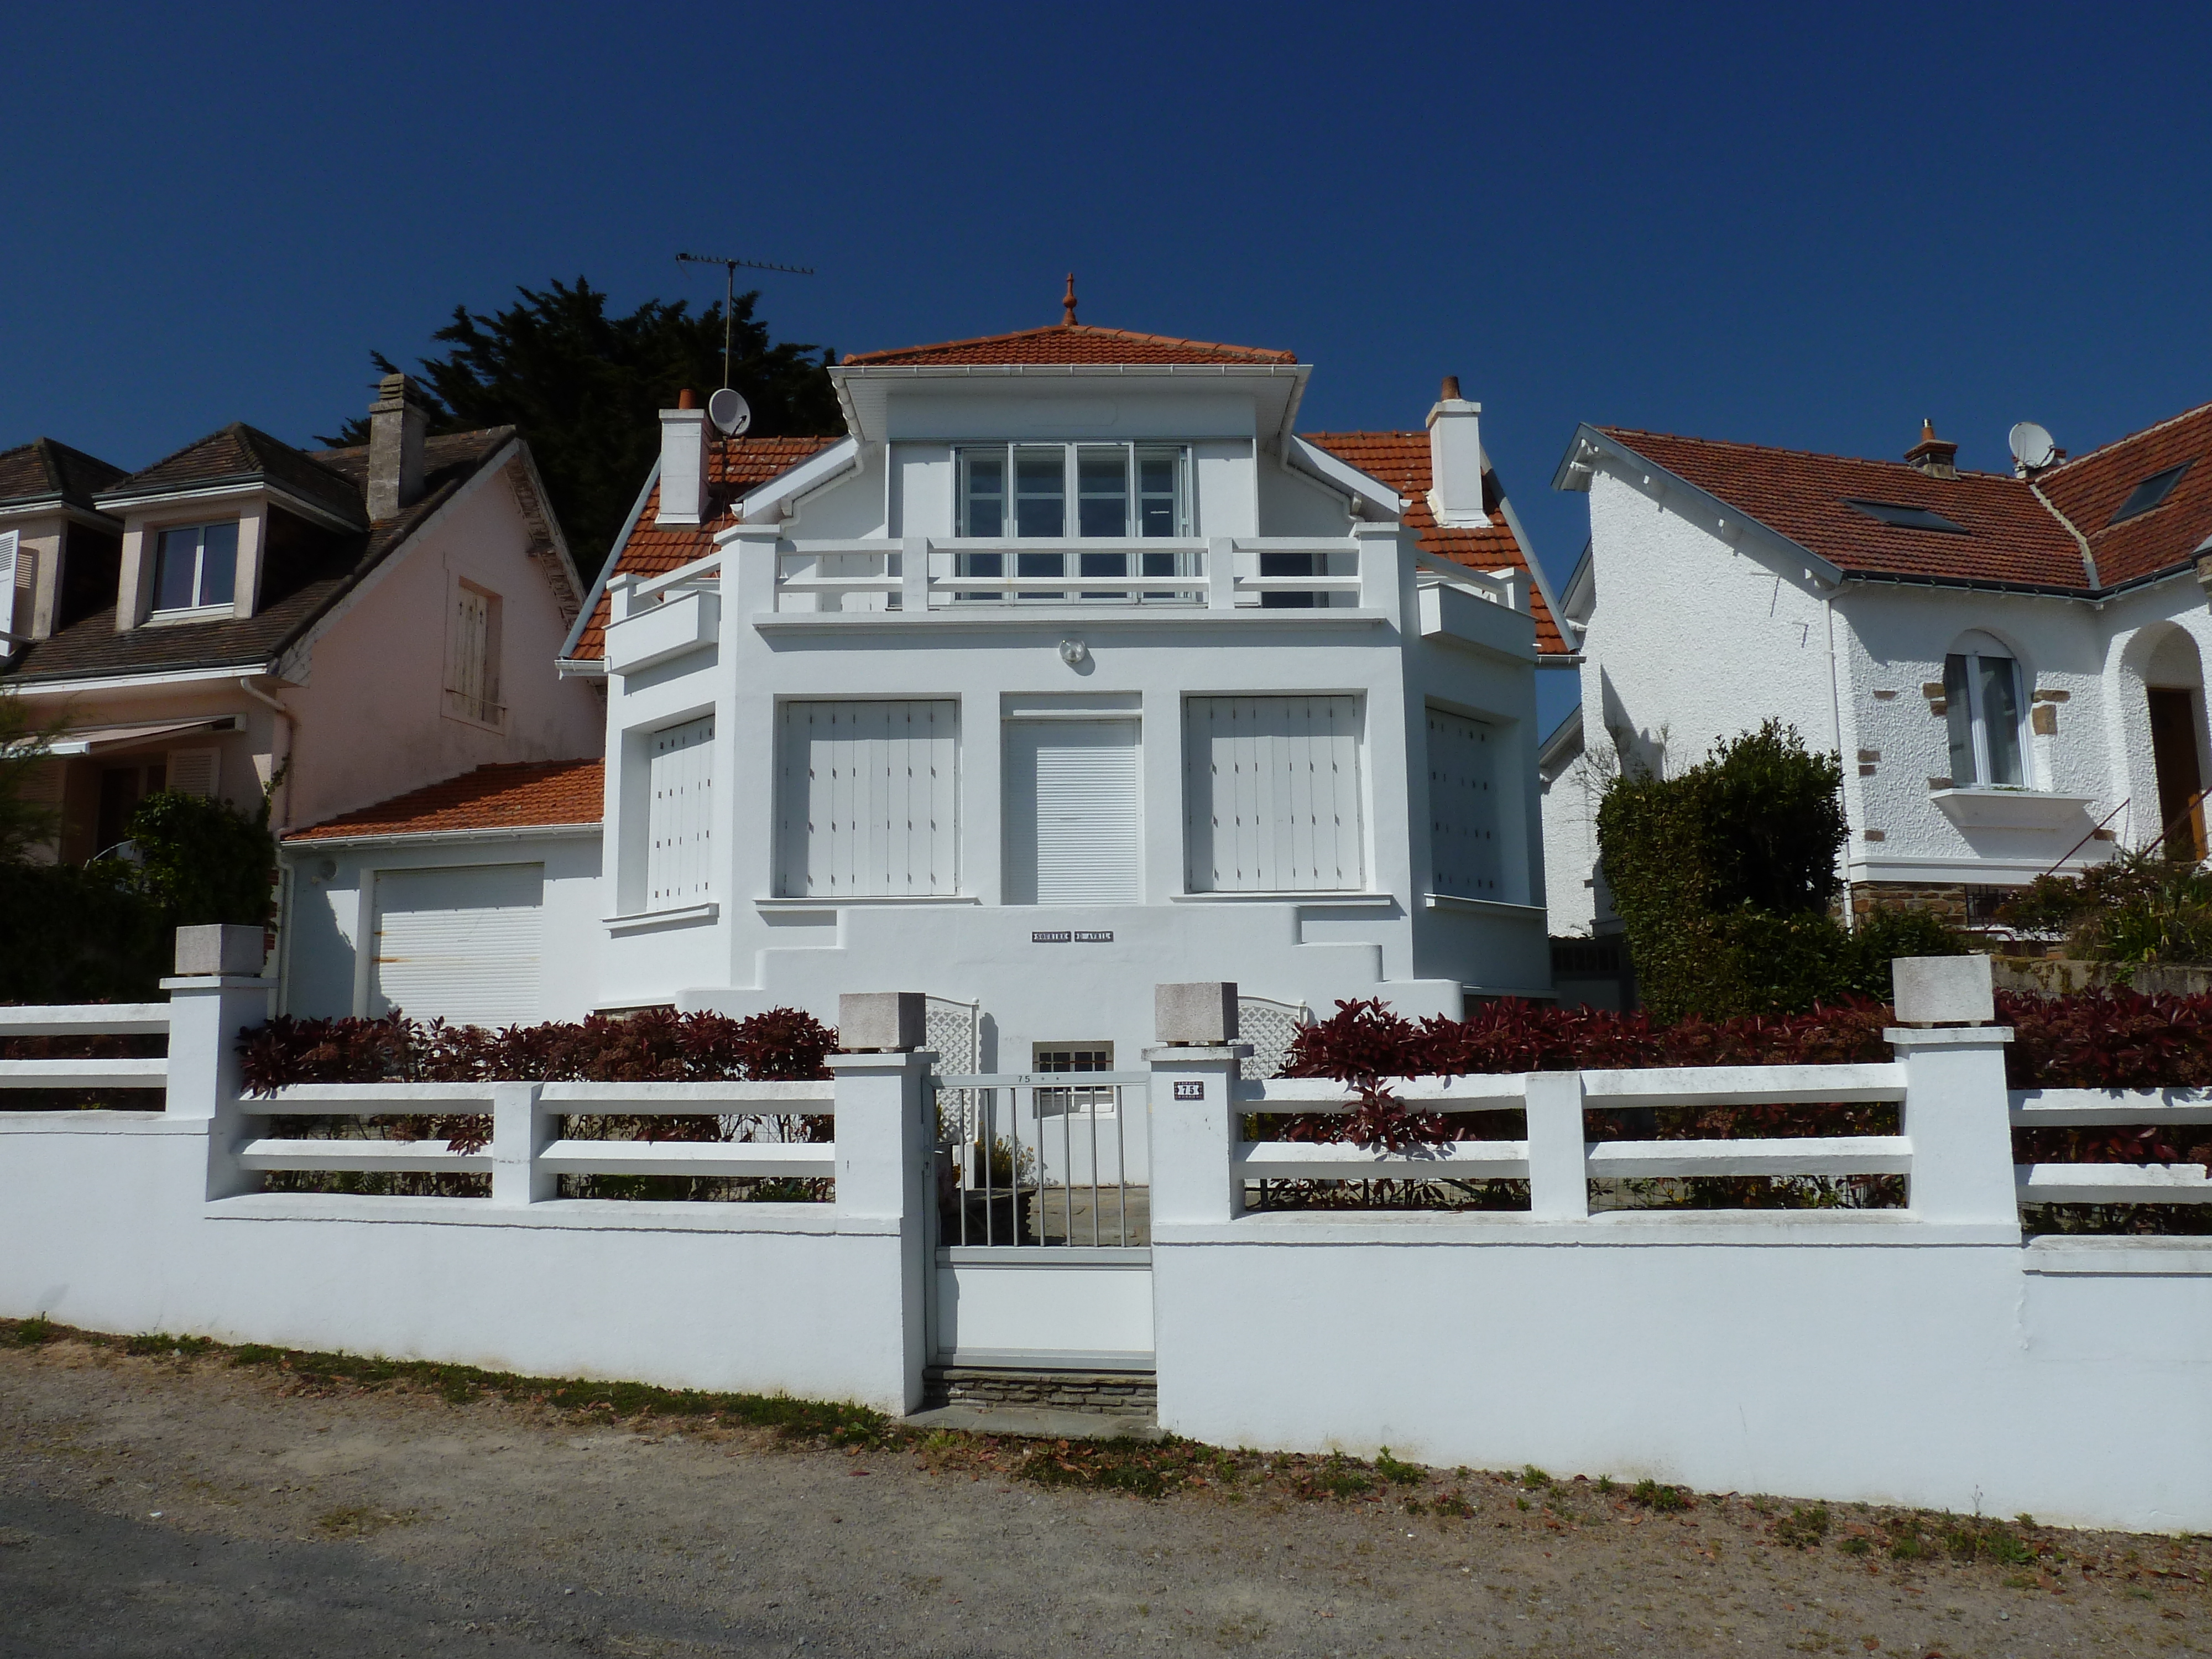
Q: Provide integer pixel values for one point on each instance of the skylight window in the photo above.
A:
(1906, 518)
(2150, 492)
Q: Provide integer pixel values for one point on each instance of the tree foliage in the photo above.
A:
(584, 388)
(1725, 875)
(25, 742)
(2139, 909)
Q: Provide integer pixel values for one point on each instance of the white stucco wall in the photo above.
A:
(329, 889)
(1694, 637)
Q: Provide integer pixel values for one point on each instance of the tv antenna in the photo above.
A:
(730, 290)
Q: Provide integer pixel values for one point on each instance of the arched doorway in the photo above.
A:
(2173, 687)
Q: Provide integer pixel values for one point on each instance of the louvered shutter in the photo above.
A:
(866, 799)
(1075, 827)
(1271, 794)
(1463, 805)
(461, 944)
(680, 815)
(11, 541)
(192, 771)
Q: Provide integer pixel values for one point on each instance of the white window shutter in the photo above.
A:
(1271, 796)
(1463, 805)
(11, 541)
(1074, 827)
(868, 799)
(680, 817)
(194, 771)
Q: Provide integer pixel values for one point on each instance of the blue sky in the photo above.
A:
(1801, 226)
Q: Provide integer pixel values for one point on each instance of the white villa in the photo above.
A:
(1066, 669)
(2010, 665)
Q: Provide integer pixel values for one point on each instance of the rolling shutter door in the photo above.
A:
(680, 815)
(866, 799)
(1074, 828)
(1271, 794)
(1462, 805)
(460, 944)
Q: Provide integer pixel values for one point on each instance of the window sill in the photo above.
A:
(455, 708)
(1484, 906)
(1311, 895)
(196, 613)
(644, 920)
(883, 898)
(1982, 806)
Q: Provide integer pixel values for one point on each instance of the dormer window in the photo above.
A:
(196, 568)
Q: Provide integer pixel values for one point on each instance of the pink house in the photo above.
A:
(331, 628)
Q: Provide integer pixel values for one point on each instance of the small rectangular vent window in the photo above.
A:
(2150, 493)
(1906, 518)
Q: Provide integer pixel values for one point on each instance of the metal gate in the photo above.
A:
(1044, 1247)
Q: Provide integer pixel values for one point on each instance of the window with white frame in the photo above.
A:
(473, 655)
(680, 815)
(195, 566)
(1073, 1057)
(1103, 492)
(1272, 794)
(1985, 710)
(867, 793)
(1070, 807)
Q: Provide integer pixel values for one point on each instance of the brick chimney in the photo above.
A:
(397, 421)
(1932, 455)
(1455, 459)
(683, 461)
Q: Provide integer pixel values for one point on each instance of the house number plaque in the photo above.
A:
(1195, 1090)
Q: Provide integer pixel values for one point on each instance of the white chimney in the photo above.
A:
(1456, 459)
(682, 462)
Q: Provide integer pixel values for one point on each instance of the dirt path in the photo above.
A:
(186, 1506)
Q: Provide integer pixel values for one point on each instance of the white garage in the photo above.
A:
(463, 943)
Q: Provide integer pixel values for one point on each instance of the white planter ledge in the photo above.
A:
(2010, 809)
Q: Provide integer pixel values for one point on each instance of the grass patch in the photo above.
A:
(359, 1521)
(1398, 1474)
(1804, 1526)
(1651, 1494)
(32, 1332)
(1533, 1478)
(160, 1342)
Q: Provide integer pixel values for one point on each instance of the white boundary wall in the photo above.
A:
(1927, 1356)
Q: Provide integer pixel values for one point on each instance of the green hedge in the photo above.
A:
(1725, 877)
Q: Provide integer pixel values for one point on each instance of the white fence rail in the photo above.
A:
(79, 1020)
(2110, 1184)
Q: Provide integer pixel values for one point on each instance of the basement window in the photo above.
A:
(1906, 518)
(2150, 493)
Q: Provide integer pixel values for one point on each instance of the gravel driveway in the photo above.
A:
(186, 1506)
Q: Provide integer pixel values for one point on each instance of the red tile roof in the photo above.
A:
(733, 469)
(2090, 489)
(1070, 343)
(519, 796)
(2011, 536)
(1400, 459)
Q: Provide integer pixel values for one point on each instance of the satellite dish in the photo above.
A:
(2032, 447)
(731, 415)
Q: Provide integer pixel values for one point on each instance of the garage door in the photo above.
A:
(461, 944)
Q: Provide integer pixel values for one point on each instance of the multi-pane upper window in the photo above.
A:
(1982, 703)
(195, 565)
(1115, 492)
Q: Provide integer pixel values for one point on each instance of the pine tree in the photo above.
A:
(583, 388)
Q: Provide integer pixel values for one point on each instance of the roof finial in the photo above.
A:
(1068, 304)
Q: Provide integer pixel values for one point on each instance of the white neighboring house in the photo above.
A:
(2011, 666)
(1068, 669)
(355, 623)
